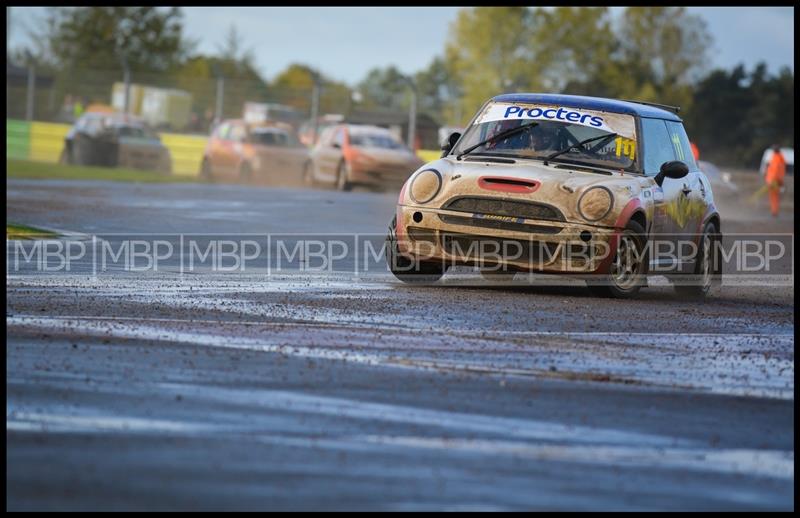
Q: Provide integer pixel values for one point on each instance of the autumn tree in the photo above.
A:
(294, 87)
(664, 50)
(490, 53)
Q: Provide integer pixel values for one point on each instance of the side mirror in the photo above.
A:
(451, 142)
(675, 170)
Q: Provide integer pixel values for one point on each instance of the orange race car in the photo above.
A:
(348, 154)
(253, 153)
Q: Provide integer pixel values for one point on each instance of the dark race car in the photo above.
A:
(115, 140)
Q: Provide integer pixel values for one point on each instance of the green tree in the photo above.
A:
(736, 115)
(233, 50)
(575, 48)
(490, 53)
(663, 51)
(82, 47)
(198, 75)
(81, 37)
(385, 88)
(294, 87)
(439, 92)
(236, 65)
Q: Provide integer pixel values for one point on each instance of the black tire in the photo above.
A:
(165, 167)
(628, 274)
(308, 175)
(706, 268)
(245, 173)
(404, 268)
(64, 158)
(342, 182)
(79, 154)
(206, 172)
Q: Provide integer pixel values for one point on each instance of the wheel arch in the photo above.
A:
(715, 219)
(639, 217)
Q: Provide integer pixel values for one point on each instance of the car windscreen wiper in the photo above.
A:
(502, 134)
(580, 145)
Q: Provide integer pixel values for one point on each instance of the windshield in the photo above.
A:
(375, 140)
(557, 130)
(274, 138)
(136, 132)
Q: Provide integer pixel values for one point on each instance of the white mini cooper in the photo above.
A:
(604, 189)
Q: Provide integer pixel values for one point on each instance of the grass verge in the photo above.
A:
(40, 170)
(14, 231)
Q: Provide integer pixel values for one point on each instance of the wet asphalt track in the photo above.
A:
(320, 391)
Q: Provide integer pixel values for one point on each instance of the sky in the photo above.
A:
(344, 43)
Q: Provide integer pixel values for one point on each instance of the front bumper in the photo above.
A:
(380, 174)
(428, 234)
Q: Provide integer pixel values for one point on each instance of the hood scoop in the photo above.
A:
(508, 184)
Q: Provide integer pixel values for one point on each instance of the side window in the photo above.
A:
(325, 136)
(93, 126)
(658, 147)
(338, 138)
(222, 131)
(237, 133)
(680, 141)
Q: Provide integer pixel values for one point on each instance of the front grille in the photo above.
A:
(512, 224)
(498, 207)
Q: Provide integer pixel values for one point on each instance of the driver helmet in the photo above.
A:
(544, 138)
(498, 128)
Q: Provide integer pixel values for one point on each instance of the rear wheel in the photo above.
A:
(628, 271)
(165, 165)
(342, 177)
(308, 174)
(706, 267)
(406, 269)
(245, 173)
(64, 158)
(205, 171)
(78, 154)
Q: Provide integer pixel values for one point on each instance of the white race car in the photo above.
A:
(562, 184)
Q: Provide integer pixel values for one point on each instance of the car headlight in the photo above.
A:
(595, 203)
(425, 186)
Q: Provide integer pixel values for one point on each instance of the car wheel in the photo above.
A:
(342, 177)
(165, 166)
(64, 158)
(706, 267)
(406, 269)
(628, 270)
(78, 155)
(308, 174)
(245, 173)
(205, 171)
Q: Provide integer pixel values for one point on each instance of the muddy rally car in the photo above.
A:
(603, 189)
(115, 140)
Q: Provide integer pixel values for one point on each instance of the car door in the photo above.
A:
(234, 147)
(217, 153)
(669, 199)
(291, 154)
(326, 154)
(694, 204)
(270, 158)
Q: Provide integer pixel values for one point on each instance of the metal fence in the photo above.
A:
(37, 96)
(41, 107)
